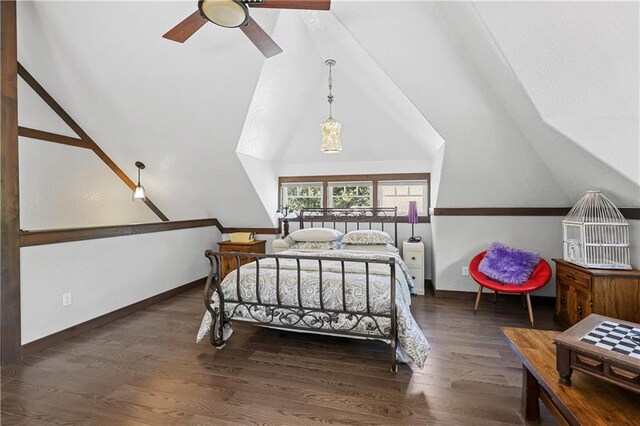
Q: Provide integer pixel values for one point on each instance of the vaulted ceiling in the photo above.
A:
(506, 104)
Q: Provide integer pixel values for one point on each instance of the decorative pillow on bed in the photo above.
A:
(367, 237)
(508, 265)
(316, 234)
(373, 248)
(315, 245)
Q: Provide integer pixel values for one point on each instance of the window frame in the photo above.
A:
(331, 185)
(283, 198)
(374, 180)
(425, 195)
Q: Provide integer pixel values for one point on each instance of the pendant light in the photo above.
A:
(138, 192)
(331, 143)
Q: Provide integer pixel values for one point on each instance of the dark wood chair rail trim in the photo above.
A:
(10, 328)
(77, 329)
(259, 231)
(54, 236)
(629, 213)
(354, 178)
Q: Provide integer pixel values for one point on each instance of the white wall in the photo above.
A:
(459, 238)
(64, 187)
(106, 274)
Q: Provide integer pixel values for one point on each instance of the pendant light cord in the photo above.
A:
(138, 176)
(330, 97)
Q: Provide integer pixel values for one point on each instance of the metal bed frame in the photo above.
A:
(298, 316)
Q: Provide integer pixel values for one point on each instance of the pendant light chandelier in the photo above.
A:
(331, 143)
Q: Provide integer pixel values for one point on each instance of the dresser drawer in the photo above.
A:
(413, 258)
(571, 276)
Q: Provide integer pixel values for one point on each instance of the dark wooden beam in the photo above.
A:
(261, 231)
(10, 336)
(51, 137)
(354, 178)
(501, 211)
(54, 236)
(629, 213)
(55, 106)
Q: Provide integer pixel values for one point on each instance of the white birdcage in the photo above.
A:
(596, 235)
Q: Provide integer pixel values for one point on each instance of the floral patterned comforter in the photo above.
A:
(411, 339)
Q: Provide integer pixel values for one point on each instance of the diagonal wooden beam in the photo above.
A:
(10, 321)
(51, 137)
(55, 106)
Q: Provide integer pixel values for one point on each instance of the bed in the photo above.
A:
(327, 291)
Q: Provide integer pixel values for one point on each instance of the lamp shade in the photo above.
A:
(331, 143)
(412, 215)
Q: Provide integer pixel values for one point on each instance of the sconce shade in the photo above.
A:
(331, 143)
(412, 215)
(139, 194)
(225, 13)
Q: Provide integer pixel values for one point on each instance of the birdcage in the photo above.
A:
(596, 235)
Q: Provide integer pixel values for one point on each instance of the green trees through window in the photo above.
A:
(351, 196)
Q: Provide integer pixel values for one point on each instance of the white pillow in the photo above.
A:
(316, 234)
(372, 248)
(367, 237)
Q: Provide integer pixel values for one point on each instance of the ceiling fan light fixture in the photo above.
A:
(225, 13)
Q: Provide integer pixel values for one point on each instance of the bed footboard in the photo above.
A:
(344, 321)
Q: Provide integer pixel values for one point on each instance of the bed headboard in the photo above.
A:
(362, 218)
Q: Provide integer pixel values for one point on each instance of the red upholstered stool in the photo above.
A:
(539, 279)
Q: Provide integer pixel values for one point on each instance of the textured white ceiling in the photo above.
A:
(579, 63)
(536, 102)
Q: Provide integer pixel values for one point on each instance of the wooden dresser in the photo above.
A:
(228, 263)
(581, 292)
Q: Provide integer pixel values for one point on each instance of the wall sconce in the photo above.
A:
(138, 192)
(283, 214)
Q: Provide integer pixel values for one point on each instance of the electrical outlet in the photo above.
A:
(66, 299)
(465, 271)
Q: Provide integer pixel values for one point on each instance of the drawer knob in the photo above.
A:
(579, 310)
(562, 300)
(413, 258)
(571, 276)
(413, 278)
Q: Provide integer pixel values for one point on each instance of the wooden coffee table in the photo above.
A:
(589, 401)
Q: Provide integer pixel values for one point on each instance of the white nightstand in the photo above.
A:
(413, 256)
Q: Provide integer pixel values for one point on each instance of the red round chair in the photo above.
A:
(539, 279)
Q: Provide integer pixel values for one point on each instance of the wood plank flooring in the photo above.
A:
(147, 369)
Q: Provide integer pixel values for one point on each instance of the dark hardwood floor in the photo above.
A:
(147, 369)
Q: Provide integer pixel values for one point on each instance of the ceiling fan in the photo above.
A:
(235, 14)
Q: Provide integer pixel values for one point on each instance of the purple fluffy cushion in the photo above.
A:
(508, 265)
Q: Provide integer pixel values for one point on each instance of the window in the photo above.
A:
(357, 191)
(302, 195)
(350, 195)
(398, 194)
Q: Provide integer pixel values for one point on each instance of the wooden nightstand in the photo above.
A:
(228, 263)
(413, 256)
(581, 292)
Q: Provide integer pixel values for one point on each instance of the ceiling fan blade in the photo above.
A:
(260, 38)
(293, 4)
(186, 28)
